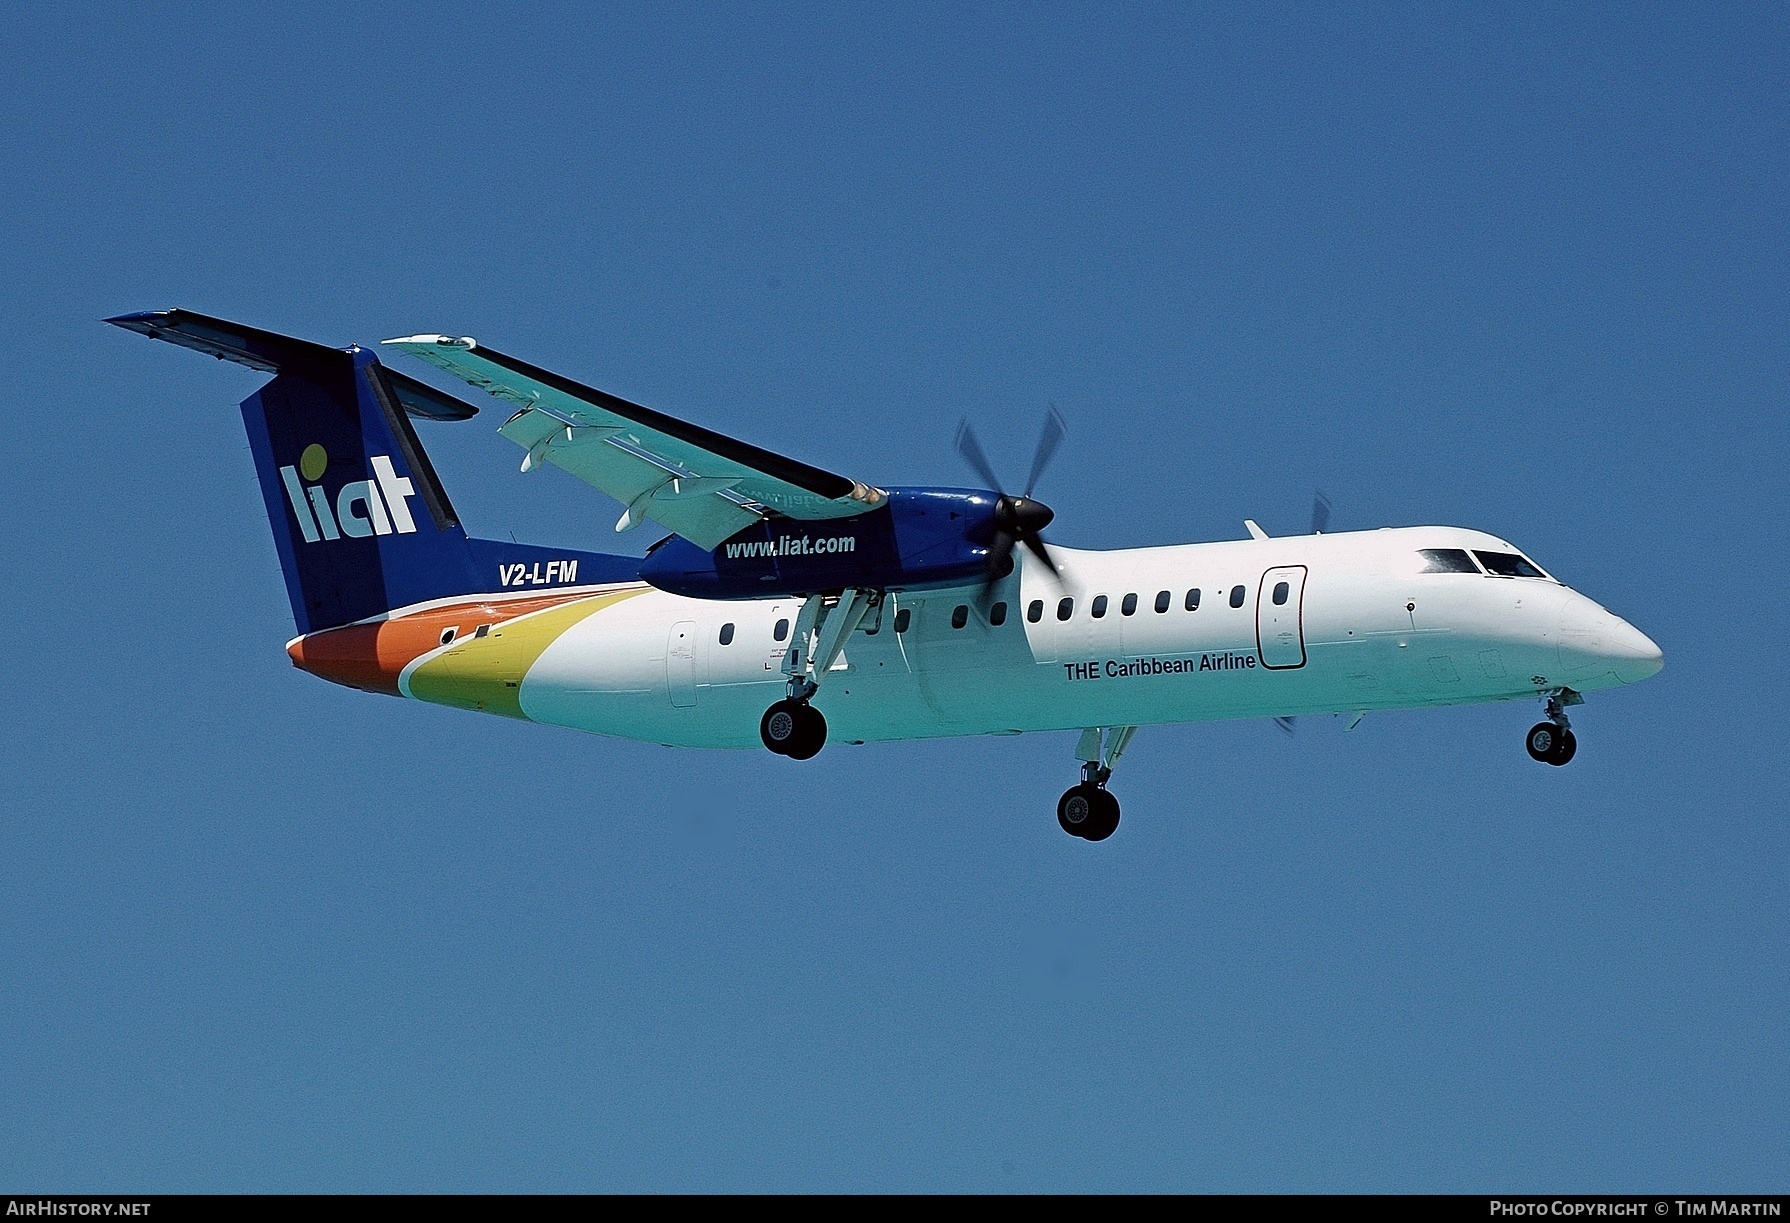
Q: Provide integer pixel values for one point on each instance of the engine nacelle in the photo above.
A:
(919, 537)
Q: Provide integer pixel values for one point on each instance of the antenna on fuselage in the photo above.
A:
(1320, 513)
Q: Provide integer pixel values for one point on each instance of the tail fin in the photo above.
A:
(361, 522)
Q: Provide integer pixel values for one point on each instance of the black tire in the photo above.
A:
(1564, 749)
(1105, 820)
(1544, 741)
(811, 734)
(1078, 806)
(780, 726)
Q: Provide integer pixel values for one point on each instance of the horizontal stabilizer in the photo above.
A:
(420, 399)
(266, 351)
(271, 353)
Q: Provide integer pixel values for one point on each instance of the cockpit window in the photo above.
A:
(1447, 560)
(1508, 565)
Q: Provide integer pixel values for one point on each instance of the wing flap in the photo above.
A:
(680, 501)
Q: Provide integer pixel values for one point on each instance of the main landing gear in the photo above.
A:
(1089, 810)
(1552, 741)
(793, 727)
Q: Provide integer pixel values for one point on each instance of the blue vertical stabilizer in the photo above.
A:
(361, 522)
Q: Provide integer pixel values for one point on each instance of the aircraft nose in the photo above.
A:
(1596, 643)
(1632, 653)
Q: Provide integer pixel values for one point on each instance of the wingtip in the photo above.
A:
(463, 342)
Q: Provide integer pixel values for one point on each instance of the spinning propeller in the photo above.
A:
(1017, 520)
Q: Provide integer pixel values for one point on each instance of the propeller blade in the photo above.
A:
(1054, 429)
(1037, 549)
(1000, 564)
(1320, 513)
(971, 450)
(1000, 556)
(1017, 520)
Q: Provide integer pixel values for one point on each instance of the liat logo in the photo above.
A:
(361, 508)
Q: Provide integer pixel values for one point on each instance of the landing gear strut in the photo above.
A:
(793, 727)
(1089, 810)
(1552, 741)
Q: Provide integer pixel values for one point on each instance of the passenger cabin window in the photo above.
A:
(1237, 594)
(1193, 599)
(1163, 598)
(727, 634)
(1129, 606)
(1446, 560)
(1281, 590)
(903, 618)
(997, 615)
(960, 615)
(1035, 611)
(781, 631)
(1099, 608)
(1065, 609)
(1508, 565)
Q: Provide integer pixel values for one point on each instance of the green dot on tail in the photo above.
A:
(312, 462)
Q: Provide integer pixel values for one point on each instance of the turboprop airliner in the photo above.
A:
(788, 605)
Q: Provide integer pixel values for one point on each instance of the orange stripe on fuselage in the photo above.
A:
(371, 656)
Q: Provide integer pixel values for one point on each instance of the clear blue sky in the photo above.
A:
(1517, 268)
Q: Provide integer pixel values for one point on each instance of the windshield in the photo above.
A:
(1508, 565)
(1447, 560)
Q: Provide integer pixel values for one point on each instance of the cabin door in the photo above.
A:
(1279, 627)
(680, 663)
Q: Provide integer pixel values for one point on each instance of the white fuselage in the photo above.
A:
(1358, 627)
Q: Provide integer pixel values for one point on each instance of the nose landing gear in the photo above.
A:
(1551, 744)
(1552, 741)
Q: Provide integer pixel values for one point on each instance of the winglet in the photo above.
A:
(1255, 532)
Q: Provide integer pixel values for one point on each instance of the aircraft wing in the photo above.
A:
(688, 479)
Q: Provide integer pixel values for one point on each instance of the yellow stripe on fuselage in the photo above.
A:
(485, 673)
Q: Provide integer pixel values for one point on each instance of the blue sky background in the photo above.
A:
(1517, 268)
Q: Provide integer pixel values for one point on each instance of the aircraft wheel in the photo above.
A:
(1567, 747)
(1105, 820)
(1076, 808)
(1088, 812)
(811, 733)
(781, 726)
(1551, 744)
